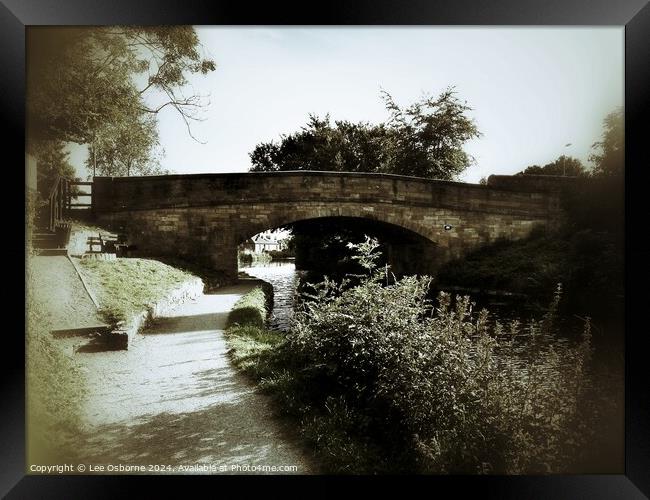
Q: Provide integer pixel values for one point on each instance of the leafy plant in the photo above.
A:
(433, 386)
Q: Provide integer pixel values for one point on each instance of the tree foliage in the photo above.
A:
(564, 165)
(53, 161)
(609, 158)
(424, 139)
(126, 148)
(103, 86)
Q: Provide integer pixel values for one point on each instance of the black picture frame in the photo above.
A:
(15, 15)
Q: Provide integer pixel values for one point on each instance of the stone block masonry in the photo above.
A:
(191, 289)
(204, 217)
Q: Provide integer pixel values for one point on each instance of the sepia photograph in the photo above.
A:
(325, 250)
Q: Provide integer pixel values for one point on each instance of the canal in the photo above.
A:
(286, 280)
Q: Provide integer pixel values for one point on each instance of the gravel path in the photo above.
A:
(59, 290)
(174, 399)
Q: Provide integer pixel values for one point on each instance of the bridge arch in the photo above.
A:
(276, 220)
(406, 251)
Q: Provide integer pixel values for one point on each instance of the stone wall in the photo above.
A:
(539, 183)
(204, 217)
(183, 191)
(189, 290)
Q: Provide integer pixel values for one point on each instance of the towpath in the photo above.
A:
(173, 399)
(57, 288)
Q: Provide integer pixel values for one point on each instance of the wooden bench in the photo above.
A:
(108, 243)
(94, 241)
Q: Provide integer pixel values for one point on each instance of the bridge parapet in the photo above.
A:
(537, 183)
(184, 191)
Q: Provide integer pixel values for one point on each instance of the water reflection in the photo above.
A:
(285, 278)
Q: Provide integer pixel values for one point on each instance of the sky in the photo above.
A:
(532, 90)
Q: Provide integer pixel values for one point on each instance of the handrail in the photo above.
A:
(57, 200)
(60, 199)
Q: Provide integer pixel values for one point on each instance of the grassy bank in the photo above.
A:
(588, 263)
(125, 287)
(253, 258)
(55, 394)
(325, 424)
(250, 341)
(250, 310)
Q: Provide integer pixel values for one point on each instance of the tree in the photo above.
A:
(319, 145)
(609, 160)
(424, 139)
(430, 135)
(52, 161)
(84, 84)
(129, 148)
(564, 165)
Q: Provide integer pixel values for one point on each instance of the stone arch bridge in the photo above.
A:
(204, 217)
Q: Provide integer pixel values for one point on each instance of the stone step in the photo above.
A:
(52, 251)
(46, 242)
(43, 236)
(82, 331)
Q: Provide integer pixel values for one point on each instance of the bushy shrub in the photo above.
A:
(250, 309)
(245, 258)
(33, 205)
(589, 263)
(434, 386)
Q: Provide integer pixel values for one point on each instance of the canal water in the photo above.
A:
(286, 280)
